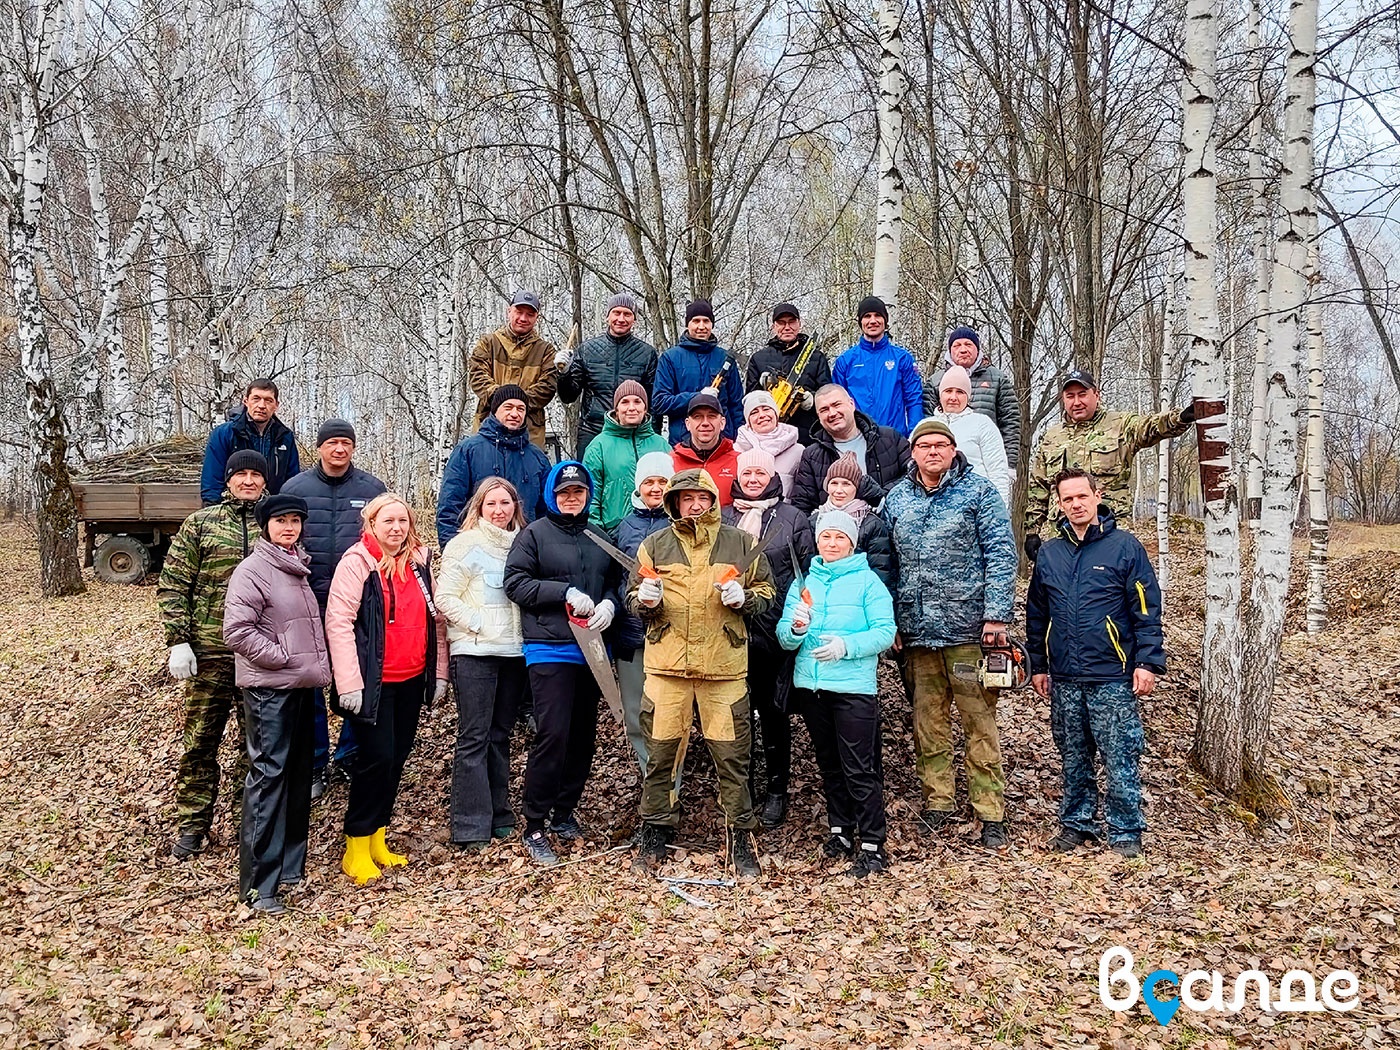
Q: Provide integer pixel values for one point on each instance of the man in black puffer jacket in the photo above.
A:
(594, 371)
(881, 452)
(775, 361)
(336, 491)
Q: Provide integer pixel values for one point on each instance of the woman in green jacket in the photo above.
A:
(612, 456)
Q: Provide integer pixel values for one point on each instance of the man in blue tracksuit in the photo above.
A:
(1094, 625)
(257, 428)
(881, 375)
(689, 368)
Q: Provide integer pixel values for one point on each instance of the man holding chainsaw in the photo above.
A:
(792, 369)
(694, 585)
(957, 573)
(695, 365)
(1094, 620)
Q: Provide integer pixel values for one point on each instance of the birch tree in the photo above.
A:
(889, 208)
(1259, 211)
(1318, 527)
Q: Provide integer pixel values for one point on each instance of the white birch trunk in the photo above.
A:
(1254, 474)
(1274, 547)
(889, 211)
(1317, 458)
(1164, 451)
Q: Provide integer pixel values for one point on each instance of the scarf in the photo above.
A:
(775, 442)
(750, 513)
(856, 508)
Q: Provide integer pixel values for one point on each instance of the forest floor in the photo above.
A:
(105, 941)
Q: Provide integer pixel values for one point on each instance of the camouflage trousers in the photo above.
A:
(935, 688)
(209, 697)
(1099, 718)
(669, 703)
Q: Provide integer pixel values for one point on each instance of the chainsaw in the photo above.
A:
(1001, 667)
(786, 393)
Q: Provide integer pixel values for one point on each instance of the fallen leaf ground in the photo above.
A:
(107, 942)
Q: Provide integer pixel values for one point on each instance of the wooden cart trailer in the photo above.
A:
(128, 526)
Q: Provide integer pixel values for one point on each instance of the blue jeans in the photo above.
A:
(345, 746)
(1099, 718)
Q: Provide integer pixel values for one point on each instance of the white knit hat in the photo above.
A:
(841, 522)
(653, 465)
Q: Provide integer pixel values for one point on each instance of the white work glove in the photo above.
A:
(649, 592)
(808, 399)
(440, 690)
(182, 662)
(834, 649)
(732, 594)
(801, 618)
(578, 602)
(563, 359)
(714, 390)
(352, 701)
(766, 381)
(602, 616)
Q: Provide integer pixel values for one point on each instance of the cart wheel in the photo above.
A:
(121, 559)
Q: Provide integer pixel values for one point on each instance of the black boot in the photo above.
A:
(1070, 839)
(838, 845)
(774, 810)
(652, 844)
(320, 783)
(933, 820)
(994, 834)
(870, 860)
(188, 844)
(741, 855)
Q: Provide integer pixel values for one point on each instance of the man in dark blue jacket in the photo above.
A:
(691, 367)
(1094, 623)
(502, 449)
(336, 492)
(258, 428)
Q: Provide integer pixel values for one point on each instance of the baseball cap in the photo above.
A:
(703, 400)
(526, 298)
(1080, 376)
(570, 474)
(785, 310)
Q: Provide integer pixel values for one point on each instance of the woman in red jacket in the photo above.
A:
(388, 648)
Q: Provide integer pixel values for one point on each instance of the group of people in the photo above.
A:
(795, 523)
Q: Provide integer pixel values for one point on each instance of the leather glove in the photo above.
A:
(808, 399)
(440, 690)
(801, 618)
(1032, 545)
(563, 359)
(1188, 414)
(711, 390)
(578, 602)
(352, 701)
(766, 381)
(602, 616)
(732, 594)
(182, 662)
(834, 649)
(649, 592)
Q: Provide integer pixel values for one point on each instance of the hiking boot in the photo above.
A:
(994, 834)
(1070, 839)
(1127, 848)
(566, 828)
(269, 906)
(870, 860)
(934, 820)
(320, 783)
(838, 845)
(653, 840)
(741, 855)
(774, 810)
(188, 844)
(540, 851)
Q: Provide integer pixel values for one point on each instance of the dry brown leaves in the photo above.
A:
(107, 942)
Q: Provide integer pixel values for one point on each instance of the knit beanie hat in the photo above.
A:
(699, 308)
(841, 522)
(754, 398)
(964, 332)
(873, 304)
(846, 466)
(756, 457)
(956, 378)
(245, 459)
(274, 506)
(623, 300)
(335, 428)
(630, 388)
(653, 465)
(929, 425)
(503, 393)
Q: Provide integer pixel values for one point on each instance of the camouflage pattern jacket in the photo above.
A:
(1105, 445)
(194, 580)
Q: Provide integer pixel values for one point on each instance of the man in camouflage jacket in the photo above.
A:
(193, 584)
(1094, 439)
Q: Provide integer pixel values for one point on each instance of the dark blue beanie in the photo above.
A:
(964, 332)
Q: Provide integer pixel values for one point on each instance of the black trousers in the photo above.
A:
(774, 726)
(845, 731)
(277, 792)
(489, 690)
(380, 759)
(566, 734)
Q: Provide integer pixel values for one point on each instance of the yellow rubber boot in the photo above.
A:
(358, 863)
(379, 852)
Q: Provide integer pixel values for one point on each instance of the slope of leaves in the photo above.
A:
(109, 943)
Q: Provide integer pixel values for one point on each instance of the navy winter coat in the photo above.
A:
(631, 530)
(1094, 610)
(277, 444)
(333, 525)
(491, 451)
(685, 370)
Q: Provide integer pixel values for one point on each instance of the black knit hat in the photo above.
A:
(245, 459)
(873, 304)
(271, 507)
(699, 308)
(503, 393)
(335, 428)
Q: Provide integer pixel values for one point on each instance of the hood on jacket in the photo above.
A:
(853, 562)
(699, 346)
(693, 478)
(295, 562)
(496, 432)
(551, 504)
(1107, 523)
(774, 442)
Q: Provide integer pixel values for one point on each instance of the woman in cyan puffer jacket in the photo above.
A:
(488, 665)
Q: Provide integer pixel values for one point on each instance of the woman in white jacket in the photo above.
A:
(977, 435)
(488, 665)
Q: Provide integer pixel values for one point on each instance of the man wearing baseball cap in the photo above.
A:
(1100, 441)
(595, 371)
(515, 353)
(706, 447)
(773, 363)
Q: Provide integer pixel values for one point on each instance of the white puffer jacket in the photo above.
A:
(481, 620)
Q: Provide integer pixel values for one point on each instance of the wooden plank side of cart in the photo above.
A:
(143, 502)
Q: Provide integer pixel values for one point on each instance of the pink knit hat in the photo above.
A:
(756, 457)
(956, 378)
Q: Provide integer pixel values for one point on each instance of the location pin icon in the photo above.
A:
(1163, 1010)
